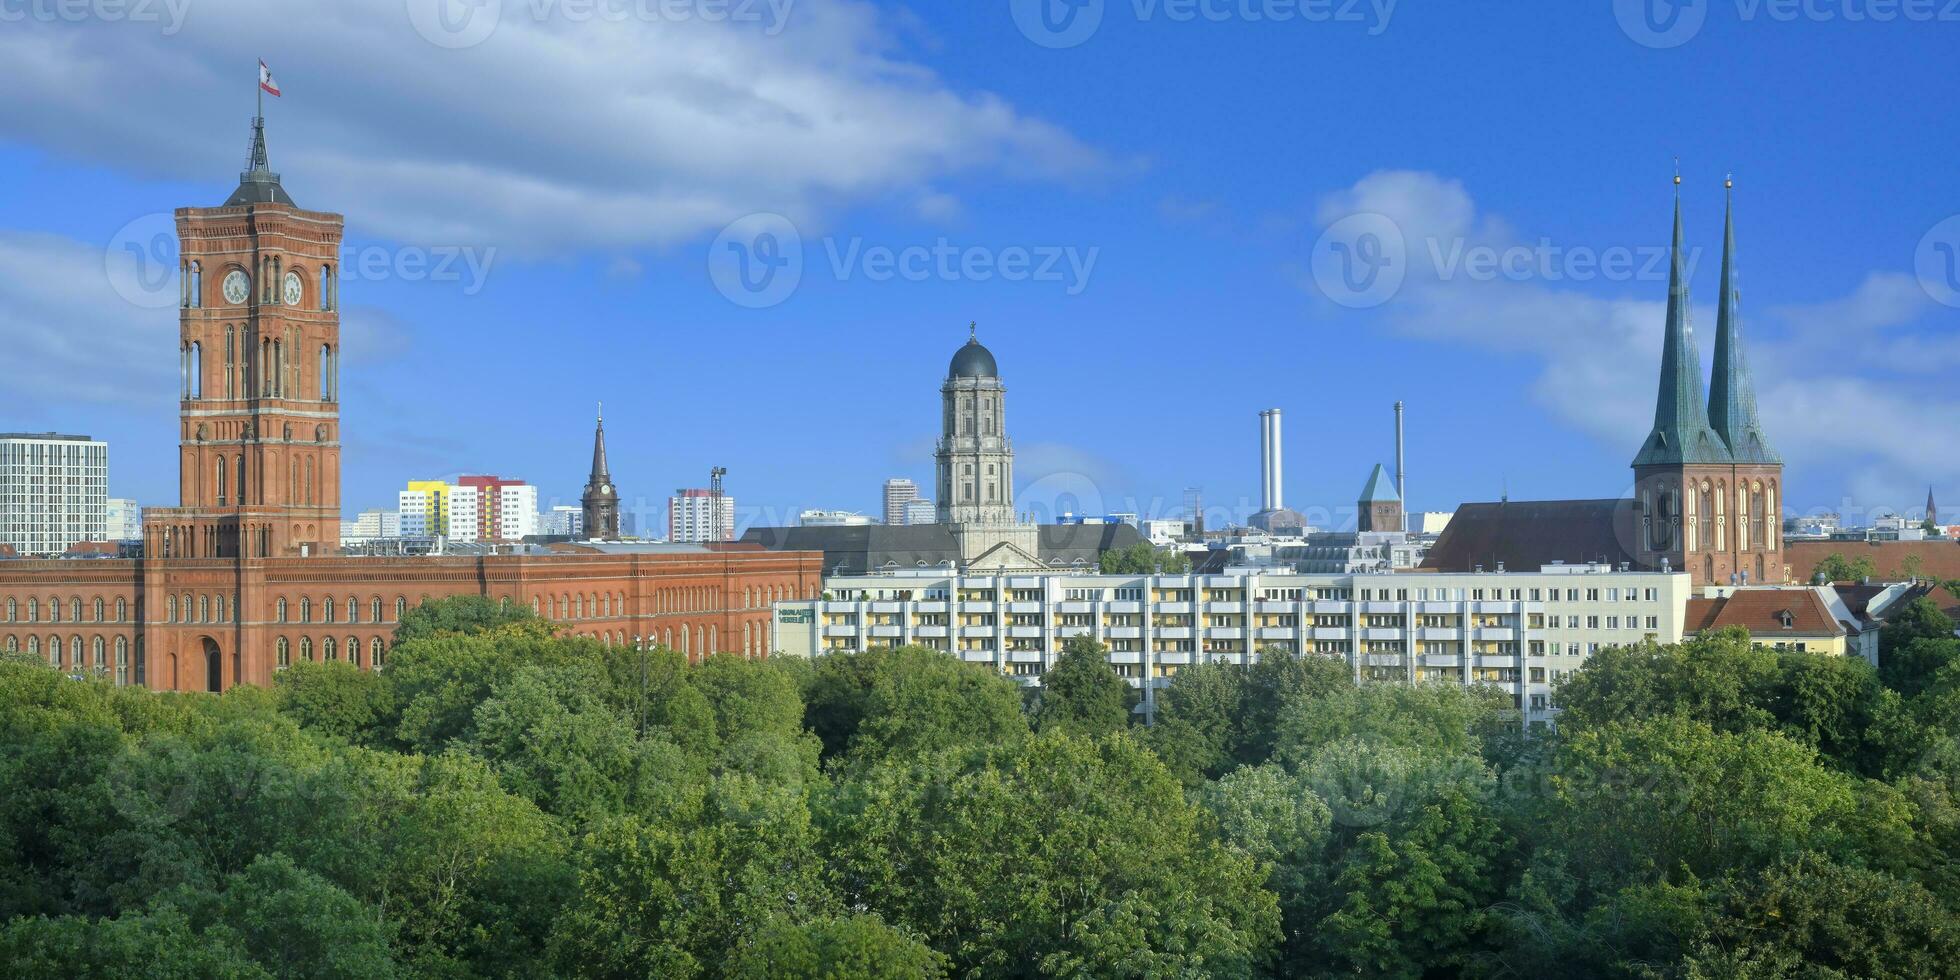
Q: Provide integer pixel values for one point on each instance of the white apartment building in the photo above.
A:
(562, 520)
(370, 525)
(54, 491)
(1522, 632)
(920, 512)
(899, 494)
(123, 520)
(693, 517)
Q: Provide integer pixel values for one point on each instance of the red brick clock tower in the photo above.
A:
(259, 351)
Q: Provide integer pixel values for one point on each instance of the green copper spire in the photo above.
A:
(1731, 393)
(1380, 488)
(1681, 432)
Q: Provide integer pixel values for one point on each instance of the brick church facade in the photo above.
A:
(241, 578)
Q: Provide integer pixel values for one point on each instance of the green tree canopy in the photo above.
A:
(1081, 692)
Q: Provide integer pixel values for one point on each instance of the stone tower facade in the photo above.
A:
(1379, 507)
(601, 498)
(259, 358)
(974, 456)
(1707, 485)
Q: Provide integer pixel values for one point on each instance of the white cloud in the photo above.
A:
(554, 133)
(1843, 386)
(70, 336)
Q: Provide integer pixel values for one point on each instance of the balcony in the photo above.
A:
(1075, 608)
(980, 631)
(932, 632)
(1491, 607)
(976, 606)
(1383, 660)
(1174, 658)
(1504, 634)
(1436, 607)
(1126, 657)
(886, 606)
(930, 606)
(1437, 633)
(1024, 632)
(1330, 607)
(1125, 607)
(1170, 608)
(889, 632)
(1381, 608)
(1441, 660)
(1125, 632)
(1225, 633)
(1233, 608)
(840, 631)
(1277, 632)
(1330, 633)
(1024, 656)
(1388, 633)
(1025, 608)
(1274, 606)
(1173, 632)
(1064, 632)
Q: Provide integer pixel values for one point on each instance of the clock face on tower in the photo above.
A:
(237, 287)
(292, 289)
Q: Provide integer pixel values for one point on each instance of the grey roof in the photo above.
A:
(1380, 488)
(864, 548)
(1681, 433)
(973, 361)
(1731, 392)
(258, 184)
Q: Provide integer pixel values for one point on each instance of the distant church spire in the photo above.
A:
(1681, 433)
(1731, 392)
(601, 499)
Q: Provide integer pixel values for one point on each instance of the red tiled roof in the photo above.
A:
(1937, 559)
(1526, 534)
(1764, 613)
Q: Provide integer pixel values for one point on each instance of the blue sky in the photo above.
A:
(1148, 226)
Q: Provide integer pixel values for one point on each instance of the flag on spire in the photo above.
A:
(266, 81)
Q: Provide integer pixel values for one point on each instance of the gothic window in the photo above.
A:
(98, 610)
(374, 610)
(75, 652)
(354, 650)
(238, 471)
(204, 609)
(282, 609)
(13, 609)
(306, 648)
(284, 657)
(97, 659)
(401, 608)
(326, 287)
(327, 609)
(13, 643)
(230, 356)
(353, 609)
(194, 296)
(1720, 498)
(196, 378)
(33, 646)
(122, 610)
(325, 371)
(1693, 538)
(309, 480)
(75, 609)
(224, 482)
(327, 647)
(1774, 528)
(170, 605)
(374, 653)
(122, 662)
(305, 610)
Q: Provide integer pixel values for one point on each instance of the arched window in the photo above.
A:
(12, 643)
(204, 609)
(197, 370)
(306, 648)
(328, 647)
(578, 607)
(534, 605)
(374, 610)
(170, 607)
(401, 607)
(309, 479)
(231, 359)
(326, 287)
(353, 609)
(33, 610)
(142, 672)
(122, 610)
(223, 482)
(1692, 535)
(238, 474)
(75, 653)
(284, 655)
(122, 662)
(13, 610)
(1773, 530)
(684, 640)
(328, 610)
(305, 610)
(1721, 498)
(281, 614)
(97, 656)
(98, 609)
(33, 646)
(194, 287)
(375, 653)
(75, 609)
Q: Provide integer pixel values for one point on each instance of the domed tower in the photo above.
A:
(975, 458)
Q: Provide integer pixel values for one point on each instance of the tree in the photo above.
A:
(1054, 855)
(1434, 717)
(469, 615)
(1143, 558)
(910, 700)
(335, 698)
(851, 946)
(1818, 918)
(160, 944)
(292, 922)
(1273, 817)
(1196, 730)
(1081, 692)
(1279, 678)
(1837, 568)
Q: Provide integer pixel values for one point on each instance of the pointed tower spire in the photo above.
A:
(600, 501)
(257, 184)
(600, 473)
(1681, 433)
(1731, 391)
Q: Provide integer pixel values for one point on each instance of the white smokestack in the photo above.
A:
(1401, 485)
(1271, 491)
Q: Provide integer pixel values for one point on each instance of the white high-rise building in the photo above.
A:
(693, 518)
(899, 492)
(920, 512)
(124, 520)
(563, 521)
(54, 491)
(371, 525)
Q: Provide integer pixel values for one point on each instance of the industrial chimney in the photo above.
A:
(1401, 485)
(1270, 491)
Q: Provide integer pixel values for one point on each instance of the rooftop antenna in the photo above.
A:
(714, 503)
